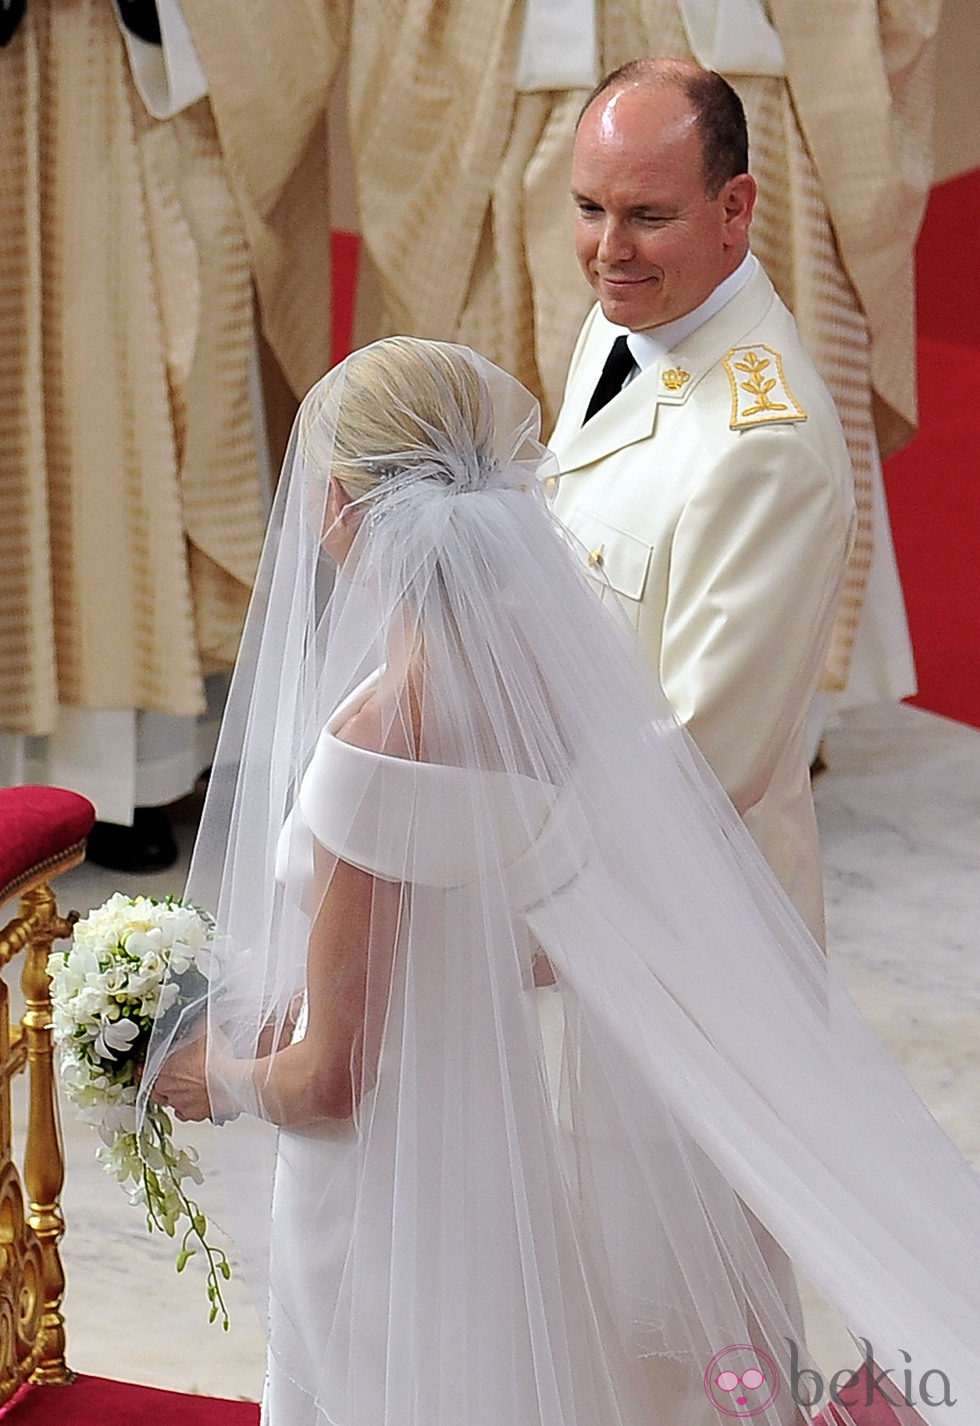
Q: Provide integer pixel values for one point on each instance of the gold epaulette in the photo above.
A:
(759, 391)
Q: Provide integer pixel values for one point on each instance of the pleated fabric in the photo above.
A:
(269, 73)
(132, 500)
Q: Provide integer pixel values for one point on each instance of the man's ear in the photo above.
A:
(738, 198)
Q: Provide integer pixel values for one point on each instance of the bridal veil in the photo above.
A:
(545, 1209)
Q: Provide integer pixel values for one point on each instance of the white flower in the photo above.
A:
(148, 1005)
(115, 1037)
(122, 1159)
(124, 966)
(118, 1118)
(91, 1004)
(185, 1166)
(81, 965)
(65, 1023)
(104, 921)
(115, 978)
(141, 982)
(184, 924)
(169, 994)
(154, 963)
(142, 943)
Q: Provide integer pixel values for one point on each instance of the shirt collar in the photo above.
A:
(650, 346)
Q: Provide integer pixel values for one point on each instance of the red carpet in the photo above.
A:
(934, 484)
(93, 1401)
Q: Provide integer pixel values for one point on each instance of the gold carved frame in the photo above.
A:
(32, 1278)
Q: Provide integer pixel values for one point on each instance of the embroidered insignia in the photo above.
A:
(759, 390)
(675, 378)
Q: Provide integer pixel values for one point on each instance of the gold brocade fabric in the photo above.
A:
(862, 89)
(269, 70)
(463, 189)
(462, 185)
(131, 489)
(431, 100)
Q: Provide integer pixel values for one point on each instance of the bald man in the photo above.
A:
(703, 468)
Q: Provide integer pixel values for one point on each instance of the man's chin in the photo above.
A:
(624, 310)
(622, 315)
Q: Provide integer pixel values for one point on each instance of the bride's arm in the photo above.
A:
(320, 1076)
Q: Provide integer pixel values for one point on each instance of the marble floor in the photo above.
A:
(899, 810)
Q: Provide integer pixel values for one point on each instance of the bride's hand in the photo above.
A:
(181, 1084)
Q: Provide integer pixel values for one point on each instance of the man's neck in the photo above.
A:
(649, 346)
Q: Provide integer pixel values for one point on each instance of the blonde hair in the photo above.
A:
(402, 402)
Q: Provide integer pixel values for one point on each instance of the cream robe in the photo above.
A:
(726, 547)
(129, 414)
(269, 71)
(134, 510)
(462, 184)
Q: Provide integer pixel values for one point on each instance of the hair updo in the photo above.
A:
(400, 406)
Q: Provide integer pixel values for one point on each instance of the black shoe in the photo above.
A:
(148, 845)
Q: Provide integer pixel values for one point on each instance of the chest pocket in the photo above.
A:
(616, 560)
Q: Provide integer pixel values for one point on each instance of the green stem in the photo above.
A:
(218, 1266)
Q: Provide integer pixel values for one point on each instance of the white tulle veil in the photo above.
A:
(546, 1208)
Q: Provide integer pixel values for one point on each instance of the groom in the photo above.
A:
(703, 468)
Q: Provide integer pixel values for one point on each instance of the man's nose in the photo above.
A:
(615, 244)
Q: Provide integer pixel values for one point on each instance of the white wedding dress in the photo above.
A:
(547, 1207)
(329, 1313)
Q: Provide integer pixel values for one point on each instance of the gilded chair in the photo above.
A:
(42, 833)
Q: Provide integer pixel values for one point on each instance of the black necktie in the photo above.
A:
(141, 18)
(619, 365)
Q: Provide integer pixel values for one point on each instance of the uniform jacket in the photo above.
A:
(713, 497)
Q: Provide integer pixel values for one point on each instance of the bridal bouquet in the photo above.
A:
(130, 960)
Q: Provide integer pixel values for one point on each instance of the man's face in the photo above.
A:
(650, 241)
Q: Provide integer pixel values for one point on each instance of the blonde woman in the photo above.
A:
(513, 1038)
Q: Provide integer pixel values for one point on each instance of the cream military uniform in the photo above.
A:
(713, 498)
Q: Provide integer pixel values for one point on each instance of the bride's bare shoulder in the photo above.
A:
(384, 723)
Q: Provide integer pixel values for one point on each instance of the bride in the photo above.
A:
(524, 1062)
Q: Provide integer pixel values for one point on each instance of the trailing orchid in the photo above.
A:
(130, 960)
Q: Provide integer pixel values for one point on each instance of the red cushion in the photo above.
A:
(38, 827)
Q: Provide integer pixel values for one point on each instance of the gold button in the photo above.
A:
(596, 558)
